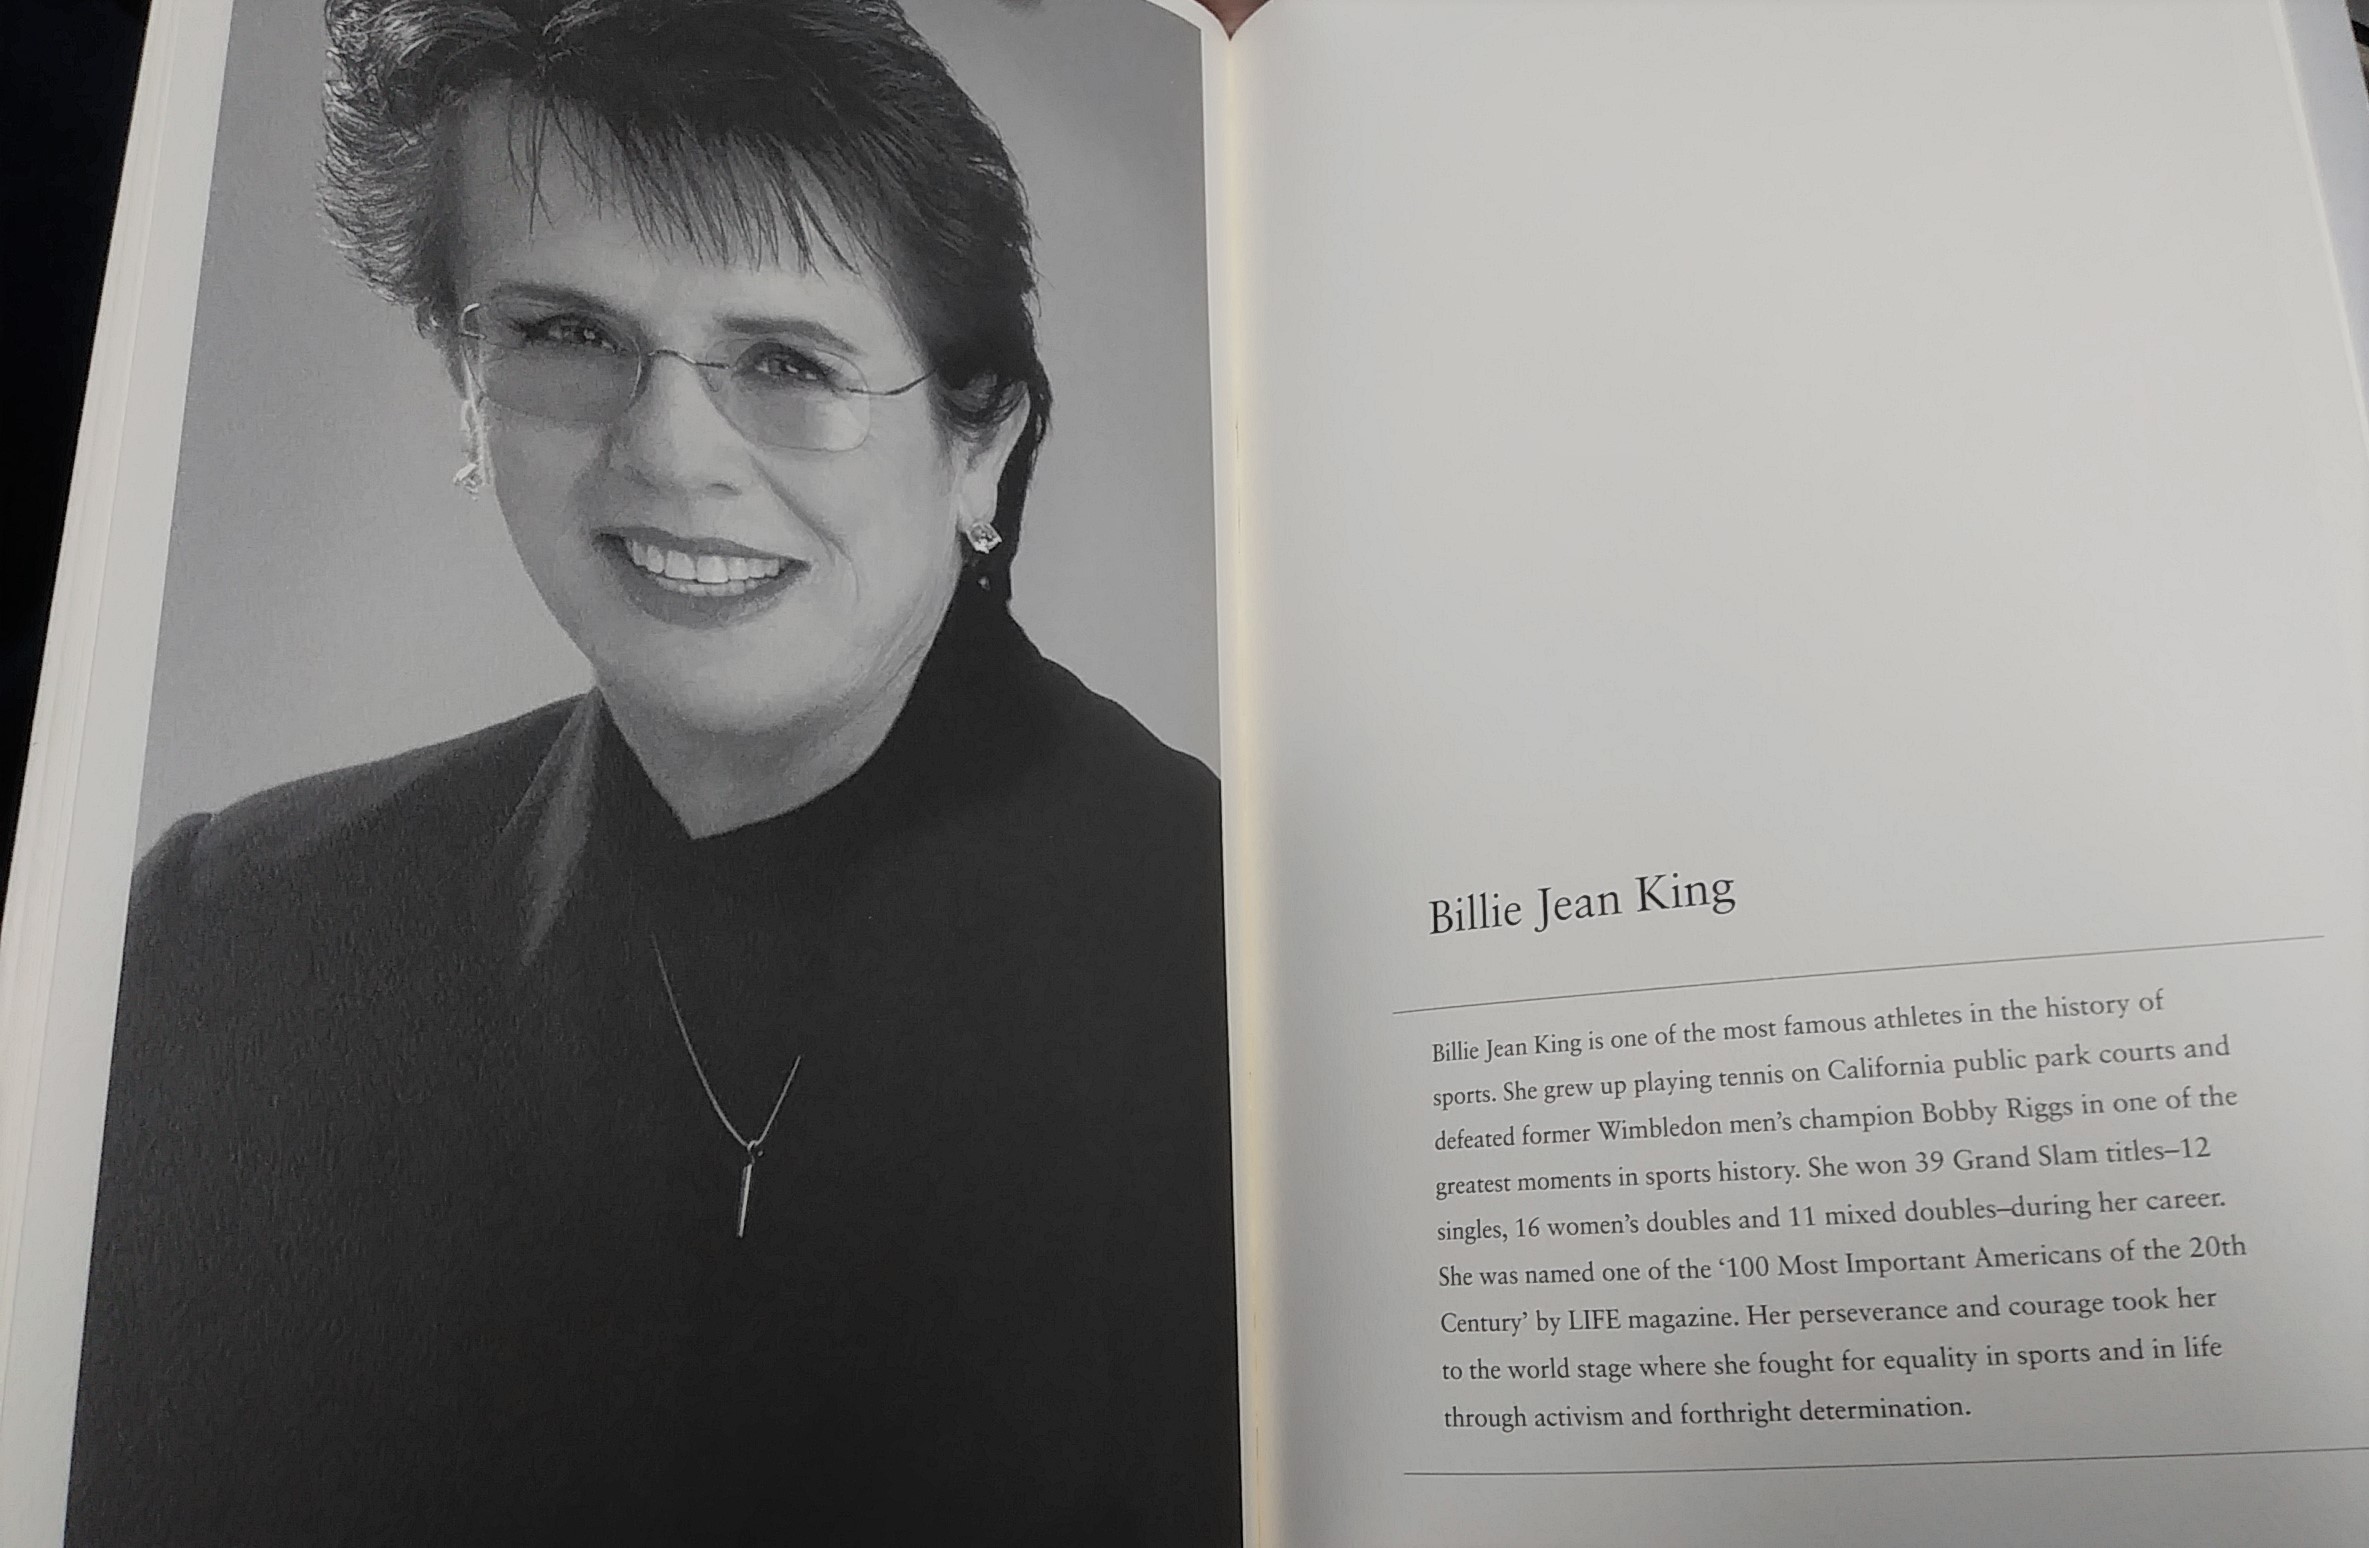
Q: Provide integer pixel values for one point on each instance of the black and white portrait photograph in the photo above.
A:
(676, 990)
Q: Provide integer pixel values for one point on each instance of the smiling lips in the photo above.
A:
(702, 574)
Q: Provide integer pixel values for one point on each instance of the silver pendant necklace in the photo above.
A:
(751, 1148)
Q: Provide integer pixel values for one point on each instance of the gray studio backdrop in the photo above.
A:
(331, 596)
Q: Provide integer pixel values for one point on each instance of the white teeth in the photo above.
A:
(705, 575)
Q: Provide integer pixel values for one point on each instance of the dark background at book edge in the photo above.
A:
(70, 66)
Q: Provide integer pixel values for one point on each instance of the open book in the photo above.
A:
(1777, 593)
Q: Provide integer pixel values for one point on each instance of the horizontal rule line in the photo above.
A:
(1904, 967)
(1822, 1467)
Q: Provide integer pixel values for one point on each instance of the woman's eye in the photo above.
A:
(778, 365)
(566, 333)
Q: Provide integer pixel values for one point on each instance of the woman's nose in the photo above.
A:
(674, 435)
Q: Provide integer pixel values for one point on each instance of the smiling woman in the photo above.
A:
(703, 404)
(783, 1088)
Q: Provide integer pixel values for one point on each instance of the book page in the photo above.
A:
(1807, 733)
(603, 946)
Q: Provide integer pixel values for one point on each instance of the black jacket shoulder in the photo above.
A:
(1103, 767)
(446, 801)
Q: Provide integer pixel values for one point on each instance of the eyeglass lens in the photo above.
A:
(571, 371)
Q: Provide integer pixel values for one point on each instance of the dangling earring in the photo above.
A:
(983, 538)
(470, 475)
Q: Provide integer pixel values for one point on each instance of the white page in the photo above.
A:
(1901, 466)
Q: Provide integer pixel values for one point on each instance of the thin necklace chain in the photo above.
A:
(752, 1147)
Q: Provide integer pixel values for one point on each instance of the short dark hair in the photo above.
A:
(738, 127)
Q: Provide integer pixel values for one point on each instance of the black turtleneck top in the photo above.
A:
(416, 1225)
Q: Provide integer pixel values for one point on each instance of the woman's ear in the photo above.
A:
(445, 335)
(476, 469)
(979, 465)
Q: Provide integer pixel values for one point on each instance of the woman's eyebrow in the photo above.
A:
(556, 295)
(796, 327)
